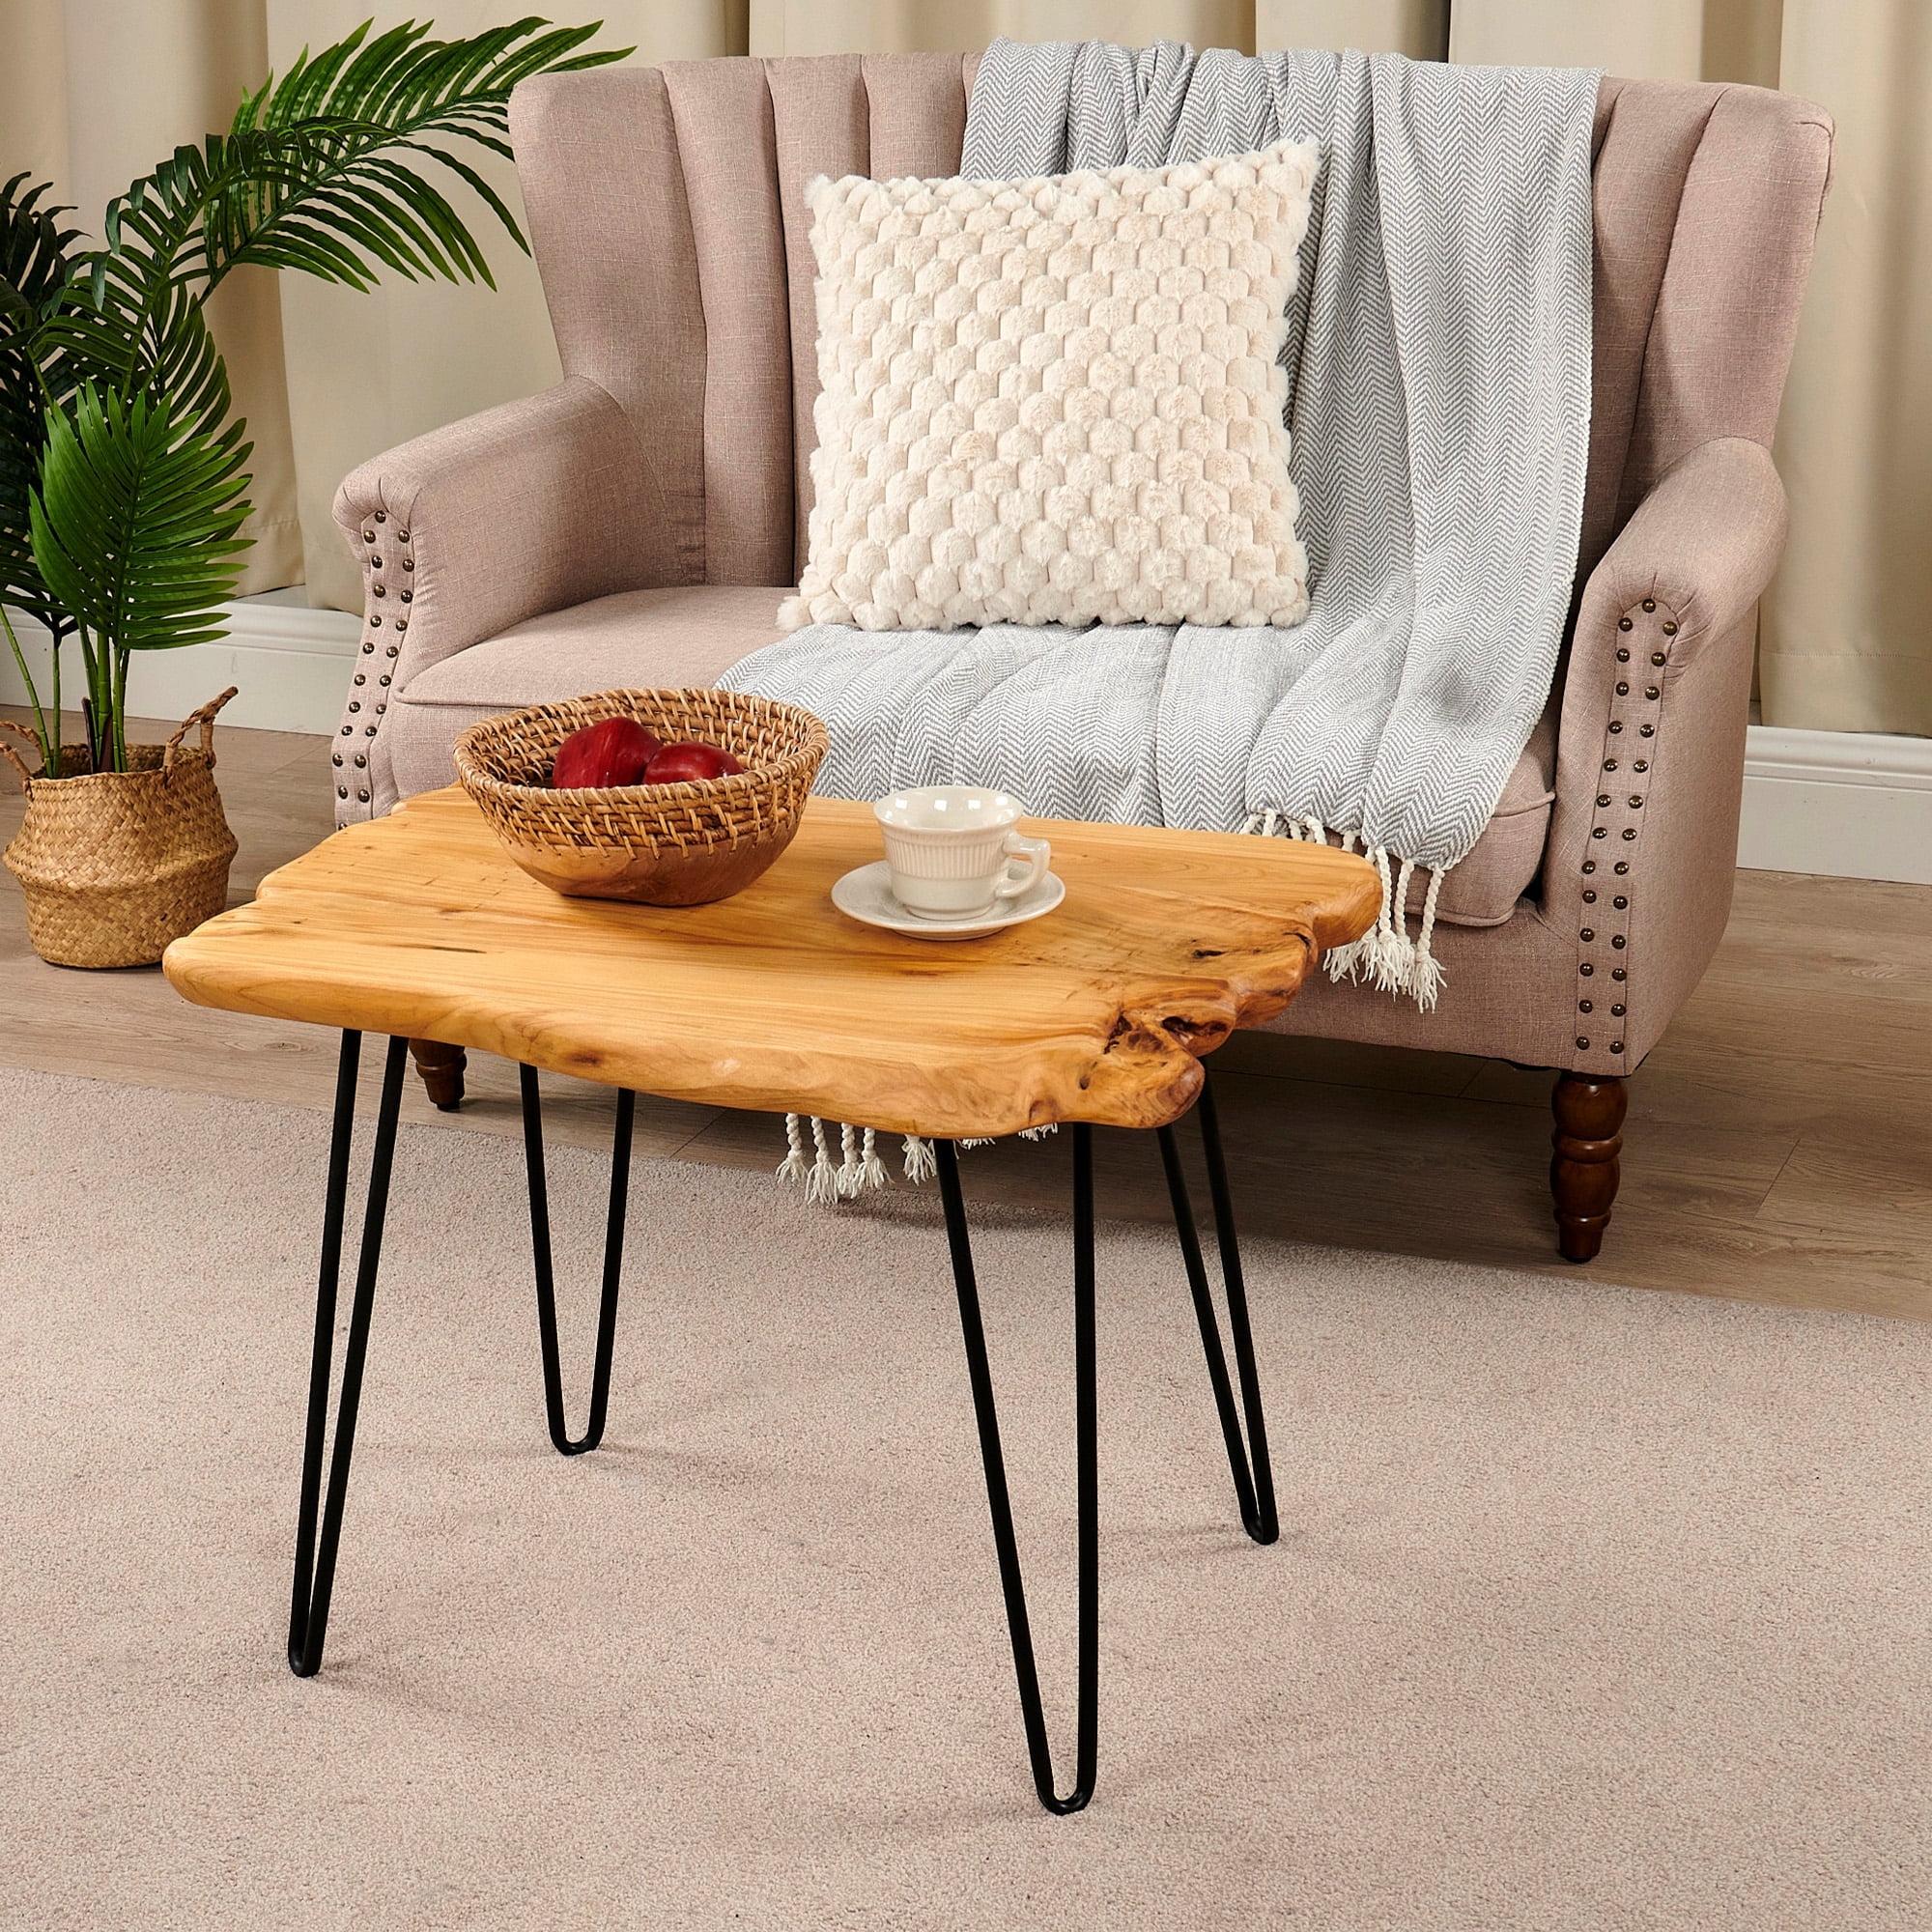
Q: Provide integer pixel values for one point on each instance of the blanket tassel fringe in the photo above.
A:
(1385, 957)
(859, 1168)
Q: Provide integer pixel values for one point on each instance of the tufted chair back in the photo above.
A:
(667, 210)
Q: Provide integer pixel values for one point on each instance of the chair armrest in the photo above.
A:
(1703, 543)
(1639, 865)
(464, 531)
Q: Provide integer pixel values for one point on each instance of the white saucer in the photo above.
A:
(866, 896)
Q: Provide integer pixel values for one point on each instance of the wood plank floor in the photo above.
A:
(1778, 1146)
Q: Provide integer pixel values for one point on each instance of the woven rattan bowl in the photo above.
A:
(663, 845)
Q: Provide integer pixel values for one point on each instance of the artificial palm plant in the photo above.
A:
(123, 480)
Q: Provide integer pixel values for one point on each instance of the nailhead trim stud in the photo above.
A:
(386, 551)
(1616, 813)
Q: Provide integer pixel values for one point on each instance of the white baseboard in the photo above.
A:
(291, 665)
(1853, 804)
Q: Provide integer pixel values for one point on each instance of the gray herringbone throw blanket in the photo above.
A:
(1438, 355)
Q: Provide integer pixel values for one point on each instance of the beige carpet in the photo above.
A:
(1592, 1608)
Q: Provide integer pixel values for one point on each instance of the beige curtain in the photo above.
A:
(1659, 39)
(938, 26)
(93, 89)
(1845, 638)
(94, 93)
(1418, 27)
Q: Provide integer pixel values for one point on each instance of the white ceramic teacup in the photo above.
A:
(953, 851)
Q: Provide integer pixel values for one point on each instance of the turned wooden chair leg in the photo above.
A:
(442, 1070)
(1589, 1110)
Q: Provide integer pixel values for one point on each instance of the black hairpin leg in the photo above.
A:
(315, 1555)
(1254, 1479)
(613, 1267)
(1086, 1461)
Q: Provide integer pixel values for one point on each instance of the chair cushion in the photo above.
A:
(689, 635)
(693, 634)
(1502, 864)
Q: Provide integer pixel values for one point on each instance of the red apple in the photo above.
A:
(613, 753)
(690, 759)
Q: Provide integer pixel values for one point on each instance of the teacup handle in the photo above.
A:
(1034, 853)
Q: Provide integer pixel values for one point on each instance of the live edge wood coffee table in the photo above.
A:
(418, 925)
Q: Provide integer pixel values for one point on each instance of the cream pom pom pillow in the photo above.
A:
(1056, 401)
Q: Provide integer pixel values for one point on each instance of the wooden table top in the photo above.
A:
(1167, 941)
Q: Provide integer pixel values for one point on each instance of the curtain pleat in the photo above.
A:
(1417, 28)
(944, 27)
(94, 89)
(1845, 641)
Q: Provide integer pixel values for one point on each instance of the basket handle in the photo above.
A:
(13, 756)
(204, 715)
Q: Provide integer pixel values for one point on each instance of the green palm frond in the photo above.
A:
(136, 519)
(347, 202)
(323, 172)
(35, 253)
(131, 316)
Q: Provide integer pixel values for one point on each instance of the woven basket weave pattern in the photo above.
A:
(665, 844)
(114, 865)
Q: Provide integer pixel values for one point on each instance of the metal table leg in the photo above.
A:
(316, 1546)
(1086, 1461)
(315, 1555)
(1254, 1478)
(1254, 1481)
(613, 1267)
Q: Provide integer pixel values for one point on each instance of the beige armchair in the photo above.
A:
(638, 522)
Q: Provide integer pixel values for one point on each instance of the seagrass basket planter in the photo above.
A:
(114, 865)
(654, 844)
